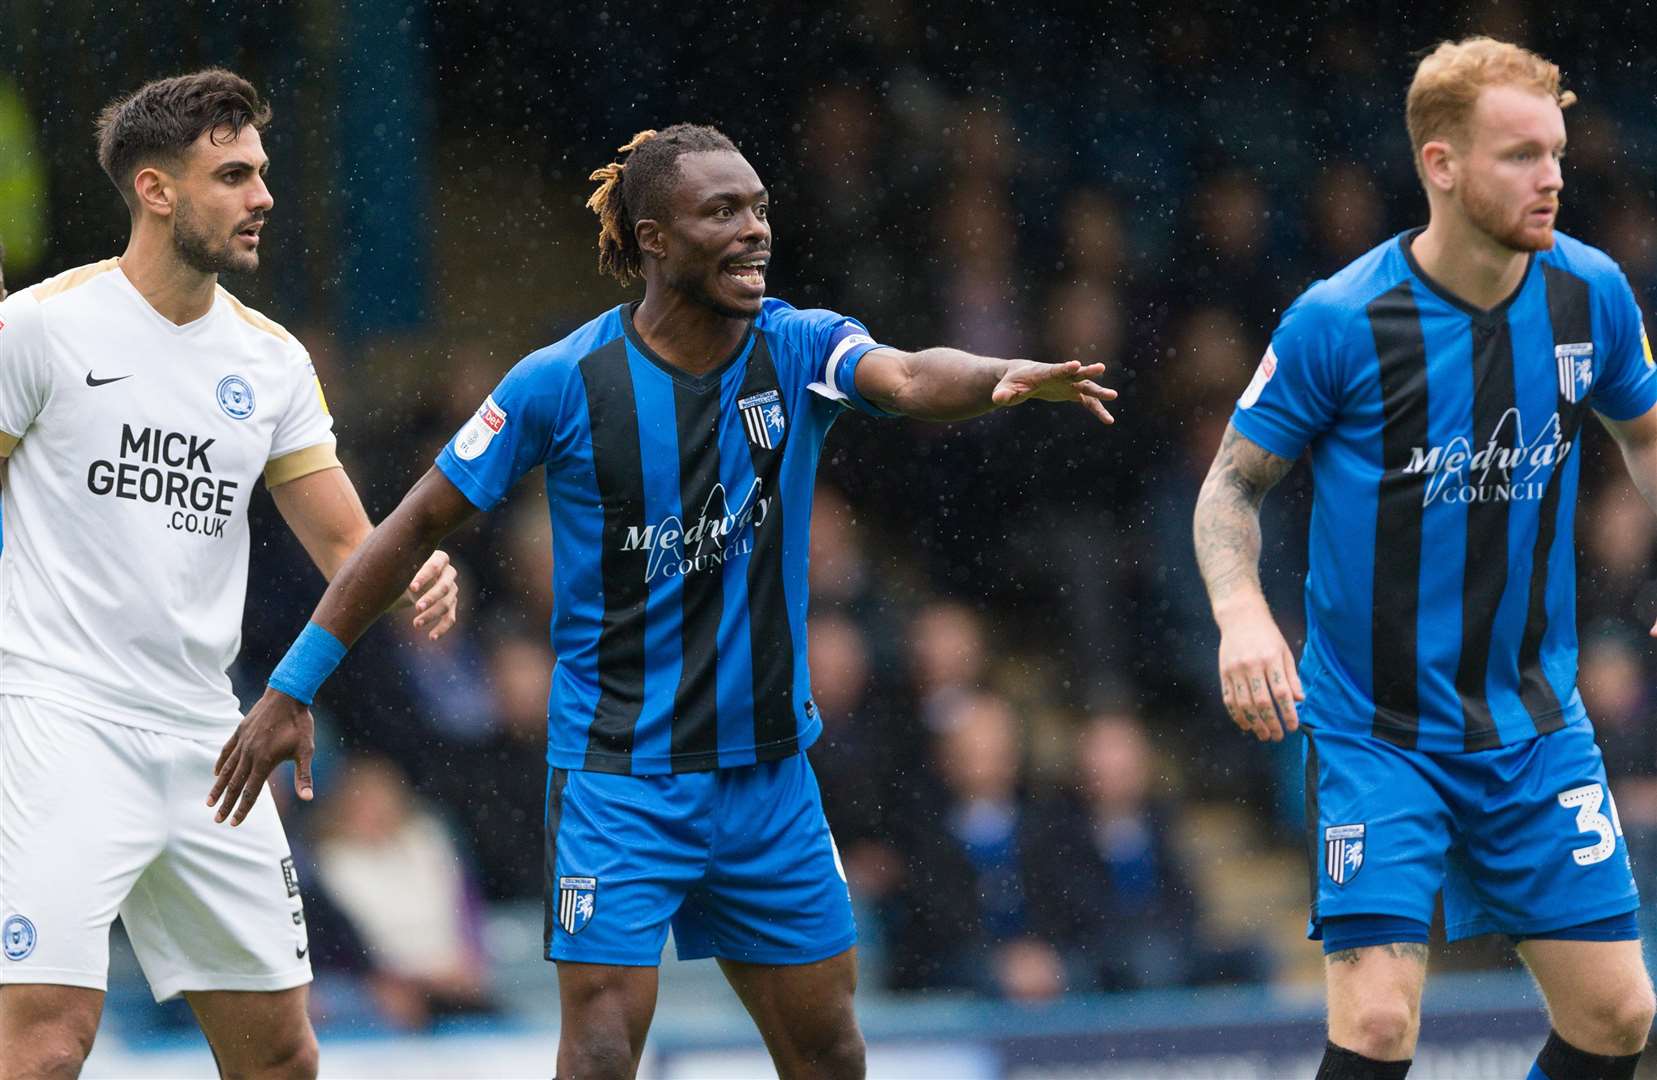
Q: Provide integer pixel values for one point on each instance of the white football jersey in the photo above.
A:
(134, 447)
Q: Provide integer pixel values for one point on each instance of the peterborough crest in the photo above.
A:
(577, 898)
(1343, 852)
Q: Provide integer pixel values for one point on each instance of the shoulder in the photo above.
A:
(561, 359)
(263, 334)
(1345, 296)
(781, 316)
(66, 284)
(1583, 260)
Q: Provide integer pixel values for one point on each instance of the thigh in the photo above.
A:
(81, 816)
(604, 1015)
(253, 1031)
(1378, 829)
(220, 908)
(622, 851)
(775, 891)
(802, 1004)
(1541, 845)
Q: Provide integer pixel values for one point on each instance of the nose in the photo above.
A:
(755, 229)
(261, 198)
(1553, 176)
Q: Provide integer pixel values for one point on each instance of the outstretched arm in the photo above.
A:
(1637, 439)
(324, 512)
(1258, 680)
(948, 384)
(278, 728)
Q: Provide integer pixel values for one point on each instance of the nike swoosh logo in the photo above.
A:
(90, 381)
(299, 954)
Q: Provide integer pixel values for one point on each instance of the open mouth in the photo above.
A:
(250, 232)
(749, 272)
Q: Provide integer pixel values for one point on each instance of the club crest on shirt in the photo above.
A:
(1343, 852)
(1257, 385)
(763, 419)
(1576, 369)
(235, 397)
(480, 430)
(17, 937)
(577, 900)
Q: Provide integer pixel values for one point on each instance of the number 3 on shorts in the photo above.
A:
(1586, 801)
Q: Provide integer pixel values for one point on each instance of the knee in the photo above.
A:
(595, 1055)
(835, 1051)
(294, 1058)
(48, 1050)
(1383, 1029)
(1618, 1023)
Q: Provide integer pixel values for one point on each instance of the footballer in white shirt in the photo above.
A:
(139, 404)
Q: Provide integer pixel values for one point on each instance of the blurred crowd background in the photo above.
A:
(1026, 762)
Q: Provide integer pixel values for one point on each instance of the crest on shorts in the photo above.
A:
(763, 418)
(577, 899)
(17, 937)
(1343, 852)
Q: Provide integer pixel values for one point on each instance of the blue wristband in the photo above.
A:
(314, 655)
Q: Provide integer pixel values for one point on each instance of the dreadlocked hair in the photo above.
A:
(636, 188)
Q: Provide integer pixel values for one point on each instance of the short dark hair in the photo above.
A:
(636, 188)
(160, 120)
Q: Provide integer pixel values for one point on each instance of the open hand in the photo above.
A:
(277, 729)
(1070, 381)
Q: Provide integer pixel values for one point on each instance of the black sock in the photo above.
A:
(1559, 1060)
(1340, 1063)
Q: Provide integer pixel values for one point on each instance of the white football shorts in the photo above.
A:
(99, 819)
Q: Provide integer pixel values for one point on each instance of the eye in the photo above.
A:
(762, 211)
(723, 213)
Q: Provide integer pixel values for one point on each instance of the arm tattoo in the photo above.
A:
(1402, 950)
(1227, 525)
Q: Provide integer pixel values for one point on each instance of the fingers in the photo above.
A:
(233, 782)
(302, 772)
(439, 609)
(429, 572)
(224, 755)
(250, 795)
(1282, 693)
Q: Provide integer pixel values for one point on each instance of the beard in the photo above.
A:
(201, 252)
(1491, 217)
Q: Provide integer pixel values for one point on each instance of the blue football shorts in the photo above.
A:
(1522, 839)
(739, 861)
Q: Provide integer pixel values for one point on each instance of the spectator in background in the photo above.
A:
(965, 919)
(948, 656)
(1228, 257)
(865, 751)
(1346, 218)
(395, 871)
(1617, 556)
(498, 790)
(1112, 890)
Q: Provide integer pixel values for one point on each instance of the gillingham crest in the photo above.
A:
(1343, 852)
(577, 900)
(1576, 369)
(763, 419)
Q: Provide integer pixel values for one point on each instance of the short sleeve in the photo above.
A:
(25, 376)
(511, 433)
(304, 439)
(831, 346)
(1626, 385)
(1294, 395)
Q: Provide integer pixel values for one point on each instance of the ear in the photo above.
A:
(155, 190)
(1440, 166)
(651, 238)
